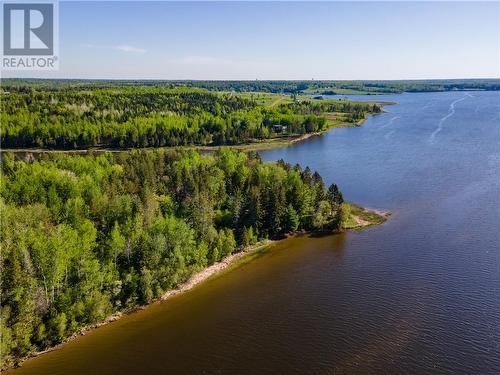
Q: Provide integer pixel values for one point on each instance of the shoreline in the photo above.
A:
(257, 145)
(362, 221)
(254, 145)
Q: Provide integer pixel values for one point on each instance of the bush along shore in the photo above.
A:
(85, 238)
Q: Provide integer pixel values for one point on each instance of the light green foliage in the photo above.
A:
(292, 219)
(249, 237)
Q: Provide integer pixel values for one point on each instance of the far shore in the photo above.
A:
(360, 218)
(255, 145)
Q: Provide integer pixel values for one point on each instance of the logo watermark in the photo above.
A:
(30, 35)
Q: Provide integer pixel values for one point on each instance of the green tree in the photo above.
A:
(292, 220)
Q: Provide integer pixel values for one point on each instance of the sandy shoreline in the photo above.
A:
(195, 279)
(208, 272)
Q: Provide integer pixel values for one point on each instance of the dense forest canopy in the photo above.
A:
(85, 236)
(121, 116)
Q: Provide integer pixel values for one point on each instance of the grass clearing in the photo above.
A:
(359, 217)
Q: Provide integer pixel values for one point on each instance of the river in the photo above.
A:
(419, 294)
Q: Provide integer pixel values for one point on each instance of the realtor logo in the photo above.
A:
(28, 29)
(29, 35)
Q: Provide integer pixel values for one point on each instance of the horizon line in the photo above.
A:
(246, 80)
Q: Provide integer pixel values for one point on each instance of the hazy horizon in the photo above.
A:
(252, 80)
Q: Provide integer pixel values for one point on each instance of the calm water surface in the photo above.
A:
(419, 294)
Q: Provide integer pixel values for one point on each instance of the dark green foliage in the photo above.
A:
(83, 237)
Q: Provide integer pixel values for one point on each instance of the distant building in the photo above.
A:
(279, 128)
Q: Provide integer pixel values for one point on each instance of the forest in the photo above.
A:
(83, 237)
(122, 116)
(327, 87)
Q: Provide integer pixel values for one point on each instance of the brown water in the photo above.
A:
(419, 294)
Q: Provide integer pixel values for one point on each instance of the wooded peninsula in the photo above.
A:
(85, 237)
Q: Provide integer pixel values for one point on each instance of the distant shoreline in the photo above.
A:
(255, 145)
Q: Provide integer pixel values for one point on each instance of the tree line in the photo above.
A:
(270, 86)
(83, 237)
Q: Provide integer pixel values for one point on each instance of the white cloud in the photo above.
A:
(131, 49)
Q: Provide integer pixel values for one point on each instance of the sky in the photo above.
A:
(277, 40)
